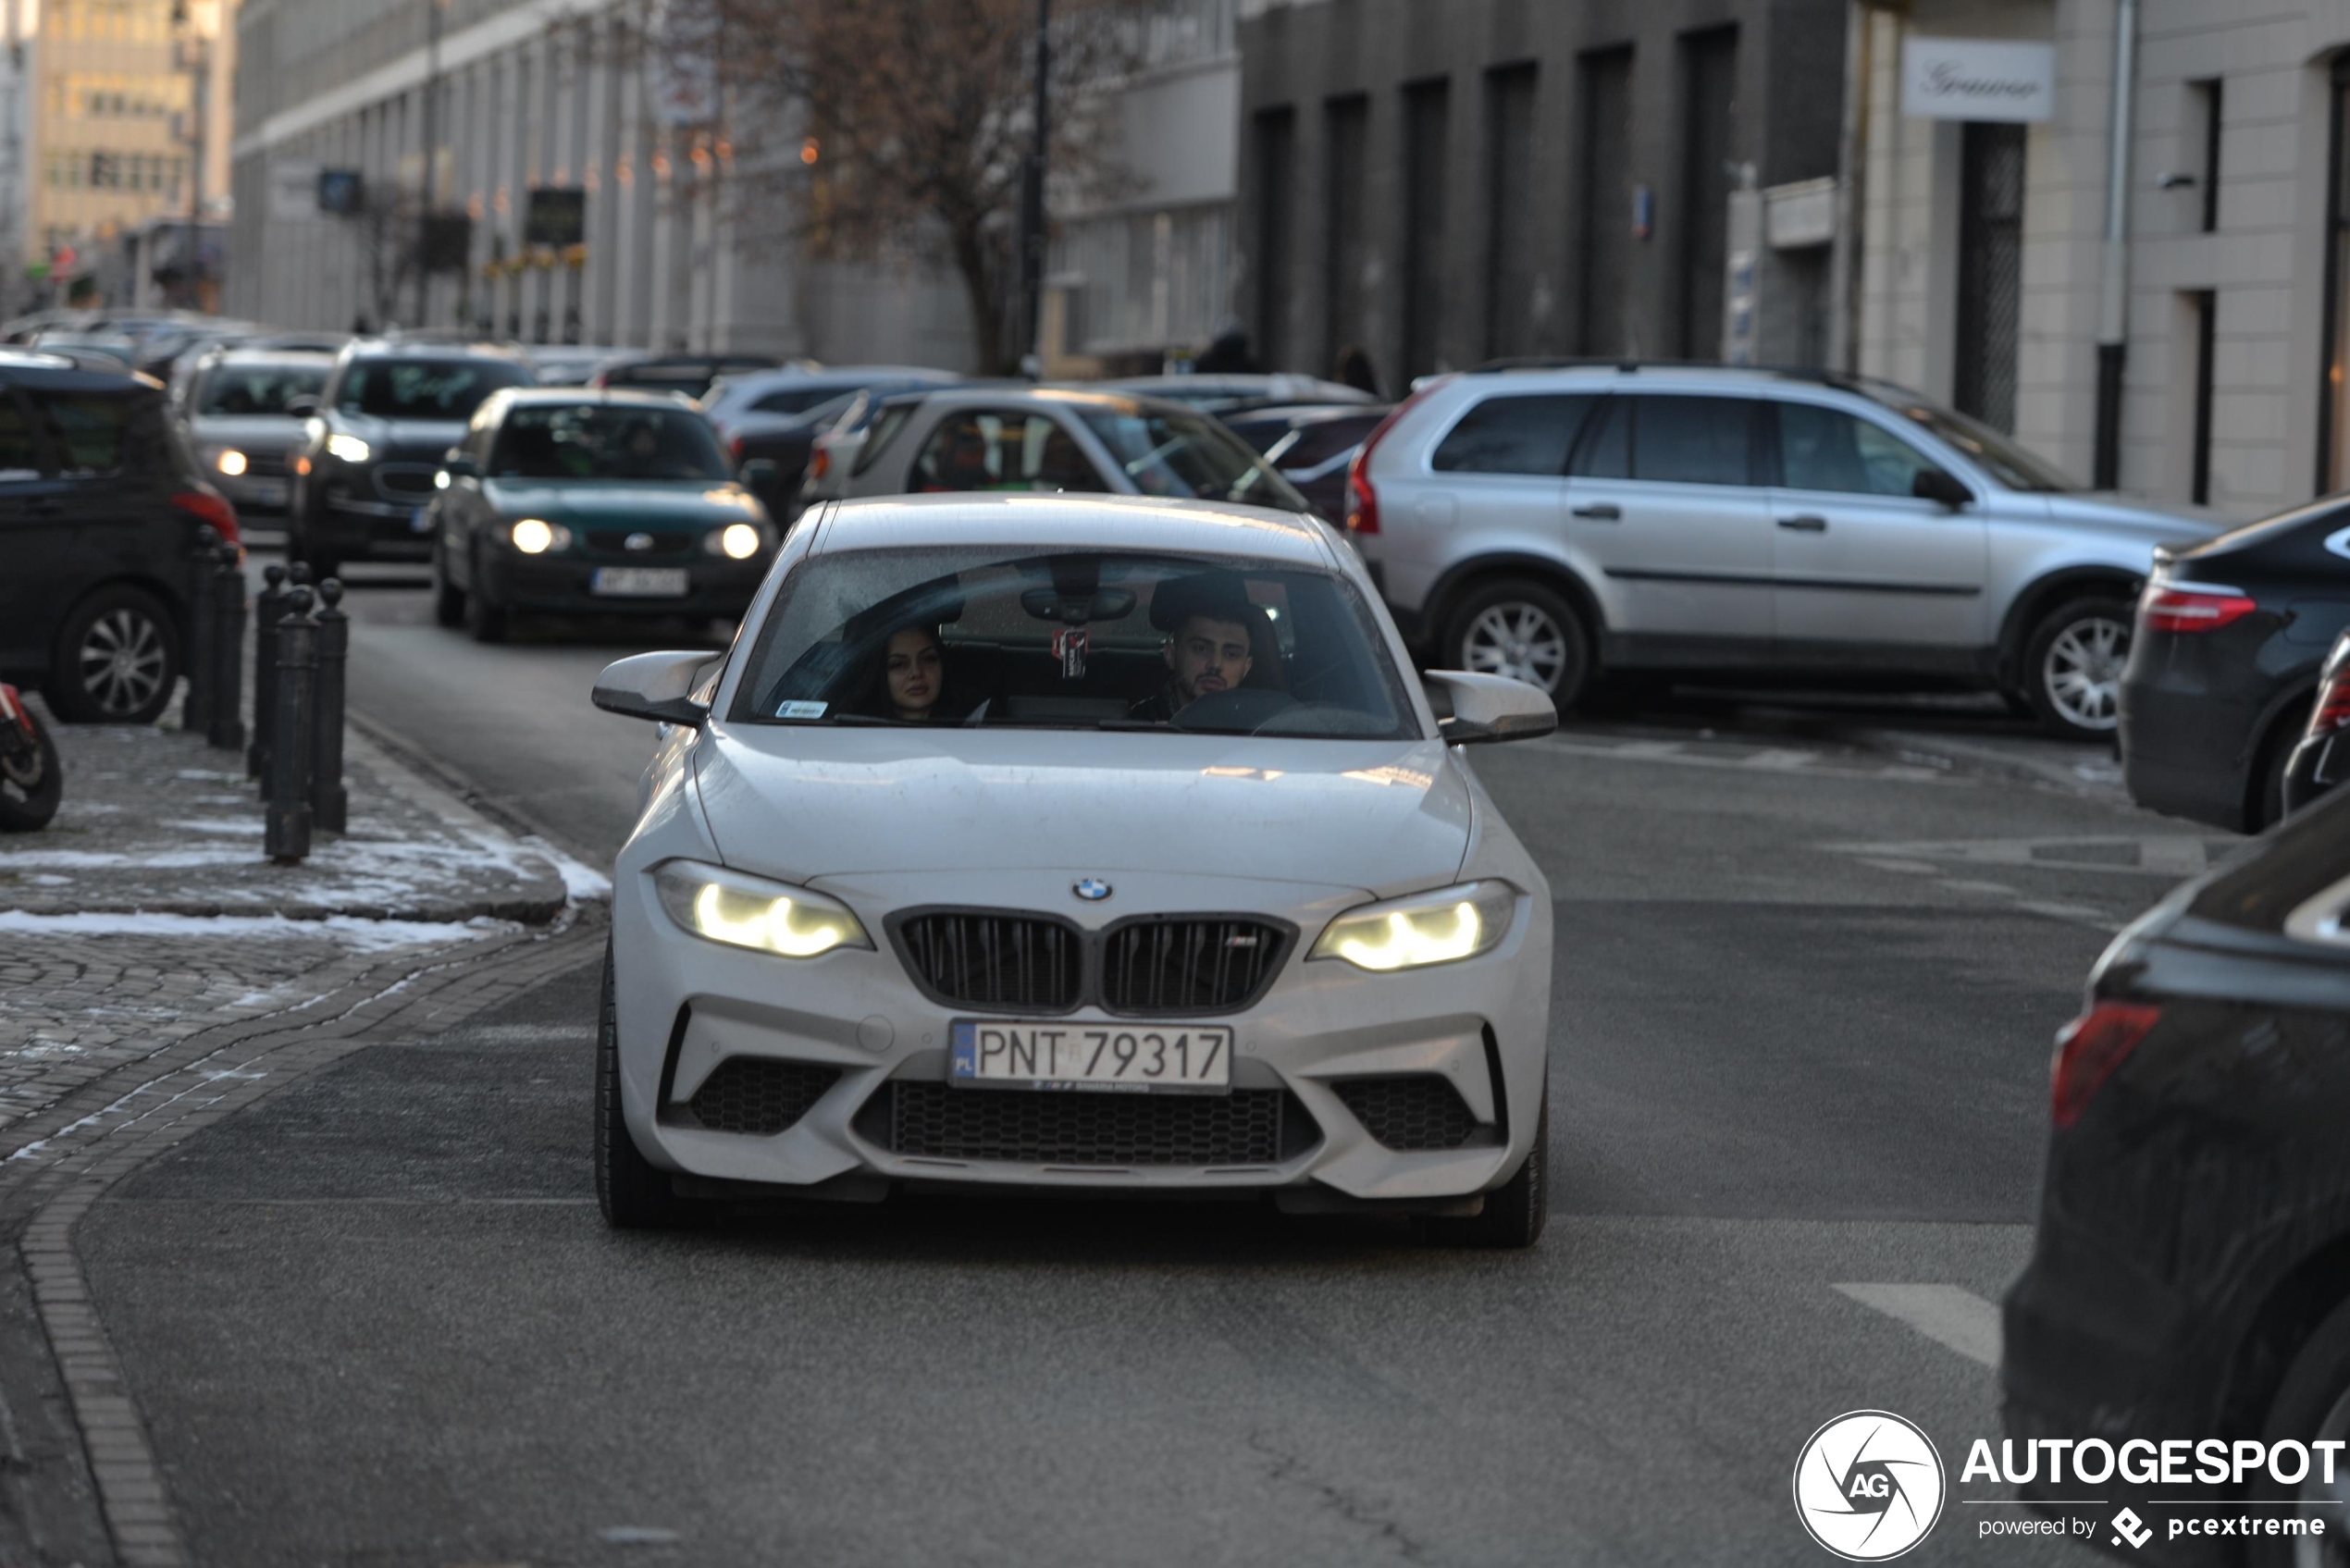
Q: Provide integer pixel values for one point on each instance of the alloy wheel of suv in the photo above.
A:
(2074, 661)
(116, 662)
(1523, 631)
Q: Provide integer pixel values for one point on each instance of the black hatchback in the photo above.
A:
(100, 504)
(2191, 1273)
(2224, 662)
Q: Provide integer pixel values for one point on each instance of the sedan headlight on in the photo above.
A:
(748, 911)
(534, 536)
(350, 449)
(230, 463)
(1427, 928)
(738, 541)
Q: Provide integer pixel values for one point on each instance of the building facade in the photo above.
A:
(1444, 184)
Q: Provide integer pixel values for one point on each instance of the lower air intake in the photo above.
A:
(1421, 1111)
(1246, 1127)
(756, 1095)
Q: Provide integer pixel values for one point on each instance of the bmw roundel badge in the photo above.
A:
(1093, 890)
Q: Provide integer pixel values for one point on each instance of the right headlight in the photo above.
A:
(745, 911)
(1442, 927)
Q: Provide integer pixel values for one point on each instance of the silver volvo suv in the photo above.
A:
(1559, 524)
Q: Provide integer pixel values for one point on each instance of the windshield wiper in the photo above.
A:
(1134, 724)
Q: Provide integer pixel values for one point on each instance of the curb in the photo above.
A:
(1976, 758)
(116, 1124)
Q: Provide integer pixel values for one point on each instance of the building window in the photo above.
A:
(2206, 306)
(2204, 116)
(1709, 120)
(1606, 325)
(1509, 217)
(1428, 107)
(1990, 271)
(1346, 236)
(1276, 197)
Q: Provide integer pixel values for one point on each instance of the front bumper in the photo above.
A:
(553, 584)
(686, 1005)
(353, 527)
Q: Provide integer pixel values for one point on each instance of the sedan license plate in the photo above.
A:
(639, 582)
(1173, 1057)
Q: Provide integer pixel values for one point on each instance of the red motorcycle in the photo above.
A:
(32, 780)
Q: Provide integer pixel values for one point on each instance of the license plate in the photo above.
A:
(1190, 1058)
(420, 520)
(267, 492)
(639, 582)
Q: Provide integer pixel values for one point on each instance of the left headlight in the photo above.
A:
(1442, 927)
(737, 541)
(231, 461)
(748, 911)
(350, 449)
(535, 535)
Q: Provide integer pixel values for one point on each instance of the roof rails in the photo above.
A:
(1630, 367)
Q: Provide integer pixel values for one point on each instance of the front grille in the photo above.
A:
(754, 1095)
(1422, 1111)
(265, 465)
(1189, 966)
(998, 961)
(404, 481)
(614, 541)
(1076, 1127)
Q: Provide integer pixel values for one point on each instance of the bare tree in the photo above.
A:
(383, 227)
(890, 128)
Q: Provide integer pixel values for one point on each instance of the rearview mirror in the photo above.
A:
(1932, 483)
(1488, 708)
(759, 472)
(302, 405)
(654, 685)
(458, 465)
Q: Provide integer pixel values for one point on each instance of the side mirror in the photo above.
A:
(1488, 708)
(302, 405)
(654, 685)
(759, 472)
(1932, 483)
(458, 464)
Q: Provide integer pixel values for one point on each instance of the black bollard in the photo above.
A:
(228, 729)
(267, 605)
(285, 830)
(328, 801)
(200, 659)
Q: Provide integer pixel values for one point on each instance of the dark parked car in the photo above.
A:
(1311, 446)
(99, 508)
(686, 374)
(565, 501)
(2321, 758)
(374, 442)
(785, 440)
(2230, 634)
(2191, 1273)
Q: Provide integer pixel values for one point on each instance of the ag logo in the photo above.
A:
(1869, 1486)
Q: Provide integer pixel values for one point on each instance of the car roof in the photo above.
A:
(238, 354)
(1020, 394)
(1071, 521)
(1305, 413)
(1636, 372)
(415, 348)
(619, 397)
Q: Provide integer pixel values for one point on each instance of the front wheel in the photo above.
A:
(448, 599)
(1525, 630)
(30, 785)
(2312, 1406)
(2073, 666)
(634, 1194)
(116, 659)
(1516, 1211)
(484, 620)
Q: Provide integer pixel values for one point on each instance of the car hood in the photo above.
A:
(268, 432)
(591, 503)
(799, 802)
(2127, 516)
(406, 440)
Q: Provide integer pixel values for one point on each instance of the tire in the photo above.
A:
(1514, 1212)
(448, 599)
(2073, 666)
(2312, 1404)
(29, 798)
(634, 1194)
(1521, 629)
(2264, 802)
(116, 659)
(485, 622)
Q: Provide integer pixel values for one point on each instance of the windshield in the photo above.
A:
(1188, 454)
(446, 389)
(233, 389)
(1001, 638)
(1999, 455)
(596, 440)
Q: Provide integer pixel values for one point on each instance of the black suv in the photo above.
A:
(375, 439)
(99, 509)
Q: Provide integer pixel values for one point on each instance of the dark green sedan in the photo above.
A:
(563, 503)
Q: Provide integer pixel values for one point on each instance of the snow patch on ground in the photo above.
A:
(365, 936)
(581, 881)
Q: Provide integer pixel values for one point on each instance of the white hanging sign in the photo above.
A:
(1978, 78)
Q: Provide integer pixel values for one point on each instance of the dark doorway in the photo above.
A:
(1605, 324)
(1346, 136)
(1276, 187)
(1509, 217)
(1709, 90)
(1427, 111)
(2206, 321)
(1990, 271)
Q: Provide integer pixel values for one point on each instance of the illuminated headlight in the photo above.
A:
(1427, 928)
(350, 449)
(739, 540)
(231, 463)
(748, 911)
(533, 536)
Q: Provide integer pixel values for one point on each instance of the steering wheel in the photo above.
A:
(1244, 709)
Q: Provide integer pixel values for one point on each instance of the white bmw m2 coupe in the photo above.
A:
(1079, 844)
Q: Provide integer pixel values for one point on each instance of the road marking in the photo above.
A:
(1957, 1319)
(1907, 867)
(1960, 884)
(1741, 759)
(1779, 759)
(2169, 856)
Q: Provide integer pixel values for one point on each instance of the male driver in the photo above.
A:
(1206, 618)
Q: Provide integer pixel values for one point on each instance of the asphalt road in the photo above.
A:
(1805, 993)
